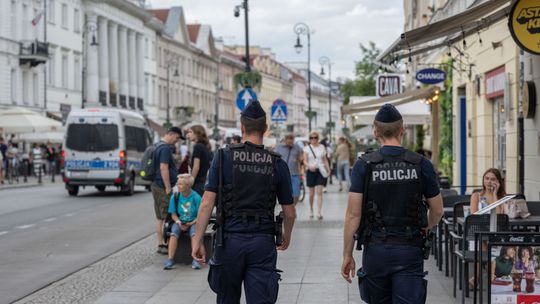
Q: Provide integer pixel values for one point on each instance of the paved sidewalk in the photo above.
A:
(311, 269)
(31, 182)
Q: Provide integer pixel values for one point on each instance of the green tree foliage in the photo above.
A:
(365, 70)
(445, 156)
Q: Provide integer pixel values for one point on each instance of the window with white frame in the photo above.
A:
(25, 22)
(35, 86)
(65, 71)
(14, 19)
(52, 66)
(77, 72)
(147, 88)
(64, 15)
(13, 86)
(146, 47)
(51, 16)
(154, 91)
(76, 21)
(25, 88)
(153, 50)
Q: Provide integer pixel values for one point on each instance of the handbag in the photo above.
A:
(517, 208)
(320, 165)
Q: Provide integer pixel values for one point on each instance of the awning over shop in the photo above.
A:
(398, 99)
(161, 131)
(414, 113)
(446, 31)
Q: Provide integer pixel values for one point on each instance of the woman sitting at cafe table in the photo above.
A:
(492, 191)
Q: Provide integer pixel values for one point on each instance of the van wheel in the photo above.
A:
(100, 188)
(149, 188)
(129, 189)
(73, 190)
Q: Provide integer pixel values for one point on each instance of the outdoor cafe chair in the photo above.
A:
(464, 255)
(456, 203)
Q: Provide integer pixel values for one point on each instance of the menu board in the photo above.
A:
(514, 270)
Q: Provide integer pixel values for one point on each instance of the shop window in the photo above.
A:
(499, 119)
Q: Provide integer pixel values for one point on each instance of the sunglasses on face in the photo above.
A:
(313, 138)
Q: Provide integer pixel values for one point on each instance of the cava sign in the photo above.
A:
(388, 84)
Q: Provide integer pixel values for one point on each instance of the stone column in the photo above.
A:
(123, 66)
(132, 68)
(103, 61)
(113, 64)
(92, 77)
(140, 72)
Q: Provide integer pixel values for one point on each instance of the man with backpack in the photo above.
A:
(164, 177)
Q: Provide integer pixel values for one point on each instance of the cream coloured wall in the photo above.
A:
(480, 110)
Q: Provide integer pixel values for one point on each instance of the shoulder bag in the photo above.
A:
(320, 164)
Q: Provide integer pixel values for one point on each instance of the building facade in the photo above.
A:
(23, 54)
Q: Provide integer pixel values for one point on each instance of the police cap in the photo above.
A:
(388, 113)
(253, 110)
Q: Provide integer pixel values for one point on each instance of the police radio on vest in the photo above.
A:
(395, 174)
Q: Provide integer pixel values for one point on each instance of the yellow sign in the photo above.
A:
(524, 24)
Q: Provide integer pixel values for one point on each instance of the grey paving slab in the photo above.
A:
(311, 268)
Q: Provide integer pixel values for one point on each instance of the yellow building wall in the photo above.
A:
(480, 110)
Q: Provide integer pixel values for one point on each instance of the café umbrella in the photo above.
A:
(19, 120)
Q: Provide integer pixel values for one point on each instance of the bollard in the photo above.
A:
(25, 179)
(39, 173)
(53, 171)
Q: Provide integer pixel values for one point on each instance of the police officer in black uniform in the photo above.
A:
(388, 214)
(252, 177)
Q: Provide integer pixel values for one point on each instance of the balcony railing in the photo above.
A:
(33, 52)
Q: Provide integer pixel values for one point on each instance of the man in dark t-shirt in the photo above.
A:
(165, 179)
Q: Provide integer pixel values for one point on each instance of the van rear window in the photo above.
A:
(92, 137)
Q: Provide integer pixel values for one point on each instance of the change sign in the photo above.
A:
(430, 76)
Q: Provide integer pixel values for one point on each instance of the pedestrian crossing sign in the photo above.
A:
(279, 110)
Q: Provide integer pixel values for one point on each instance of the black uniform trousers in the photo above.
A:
(248, 258)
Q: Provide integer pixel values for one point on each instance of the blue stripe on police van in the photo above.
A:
(92, 164)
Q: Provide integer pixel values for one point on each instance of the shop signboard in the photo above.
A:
(388, 84)
(524, 25)
(515, 258)
(430, 76)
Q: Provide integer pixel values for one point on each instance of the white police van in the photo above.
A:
(104, 147)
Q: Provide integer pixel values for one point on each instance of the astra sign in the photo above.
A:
(430, 76)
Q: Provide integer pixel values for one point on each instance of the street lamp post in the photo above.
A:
(326, 61)
(303, 29)
(88, 27)
(237, 8)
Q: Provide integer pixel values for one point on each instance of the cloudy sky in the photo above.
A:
(338, 26)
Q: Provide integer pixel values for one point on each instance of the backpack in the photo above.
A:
(148, 170)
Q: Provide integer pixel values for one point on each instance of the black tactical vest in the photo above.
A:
(252, 193)
(394, 191)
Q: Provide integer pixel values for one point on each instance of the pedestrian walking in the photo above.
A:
(292, 154)
(36, 158)
(166, 177)
(386, 211)
(246, 179)
(343, 154)
(318, 169)
(201, 156)
(50, 155)
(4, 165)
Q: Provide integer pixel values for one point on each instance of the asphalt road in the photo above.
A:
(45, 234)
